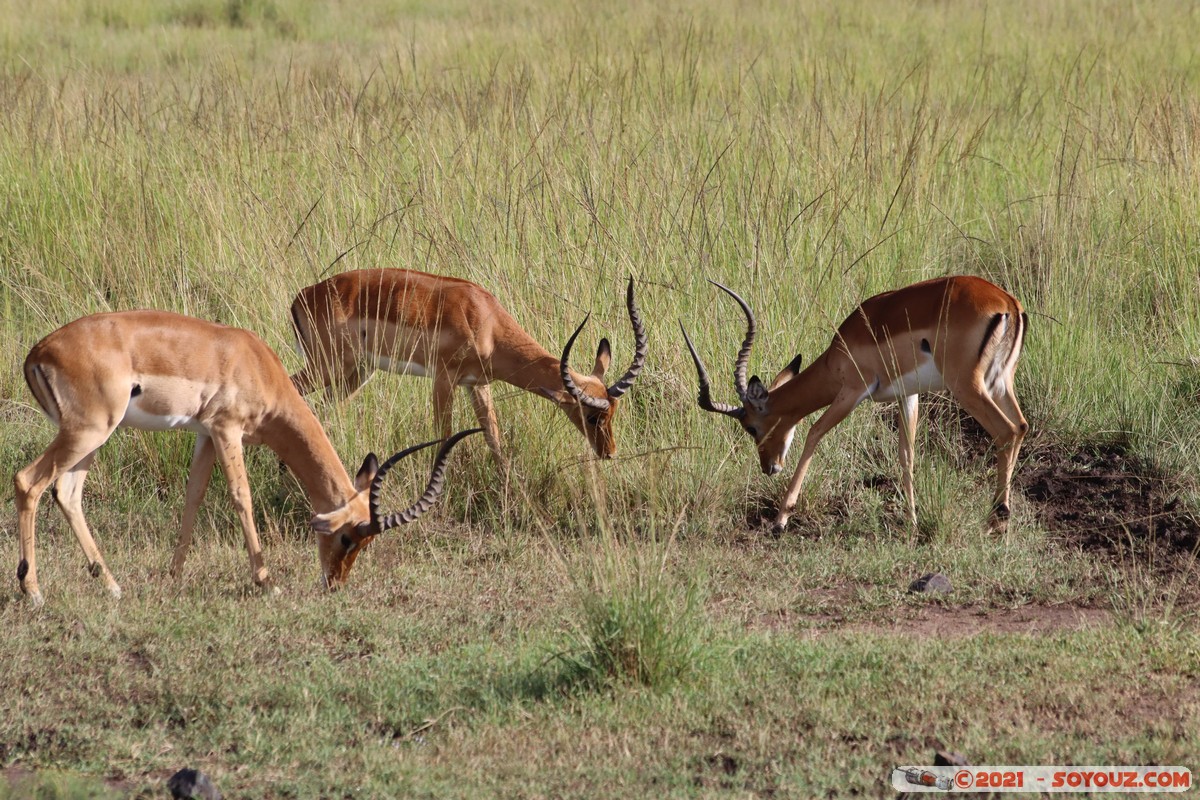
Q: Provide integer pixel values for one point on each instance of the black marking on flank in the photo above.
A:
(22, 570)
(925, 348)
(136, 390)
(991, 329)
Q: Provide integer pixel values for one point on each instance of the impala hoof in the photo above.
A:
(998, 519)
(35, 599)
(115, 591)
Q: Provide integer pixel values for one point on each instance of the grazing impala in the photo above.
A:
(457, 333)
(157, 371)
(959, 333)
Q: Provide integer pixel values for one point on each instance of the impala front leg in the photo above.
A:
(203, 456)
(485, 412)
(228, 446)
(443, 403)
(837, 411)
(907, 418)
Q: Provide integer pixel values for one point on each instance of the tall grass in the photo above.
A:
(214, 156)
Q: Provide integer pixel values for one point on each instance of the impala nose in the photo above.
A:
(775, 469)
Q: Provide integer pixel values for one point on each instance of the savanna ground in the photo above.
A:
(626, 628)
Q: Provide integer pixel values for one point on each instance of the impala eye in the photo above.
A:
(752, 431)
(347, 543)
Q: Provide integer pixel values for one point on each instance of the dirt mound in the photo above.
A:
(1102, 498)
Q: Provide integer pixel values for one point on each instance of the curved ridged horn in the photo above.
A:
(704, 399)
(569, 382)
(743, 356)
(432, 490)
(639, 354)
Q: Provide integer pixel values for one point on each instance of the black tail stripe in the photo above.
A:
(987, 335)
(45, 384)
(299, 331)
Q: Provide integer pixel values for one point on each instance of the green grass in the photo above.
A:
(214, 156)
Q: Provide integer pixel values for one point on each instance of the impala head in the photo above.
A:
(586, 400)
(772, 436)
(346, 531)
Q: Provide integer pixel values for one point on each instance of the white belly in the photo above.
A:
(135, 417)
(925, 378)
(164, 403)
(400, 366)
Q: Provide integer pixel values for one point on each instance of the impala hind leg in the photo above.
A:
(69, 448)
(68, 493)
(1007, 432)
(228, 447)
(841, 407)
(485, 412)
(907, 424)
(203, 456)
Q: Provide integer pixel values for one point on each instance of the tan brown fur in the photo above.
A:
(224, 383)
(453, 331)
(968, 329)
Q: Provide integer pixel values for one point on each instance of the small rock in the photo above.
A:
(192, 784)
(947, 758)
(933, 583)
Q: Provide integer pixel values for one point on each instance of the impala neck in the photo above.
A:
(813, 389)
(300, 442)
(527, 365)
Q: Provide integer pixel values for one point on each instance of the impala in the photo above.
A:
(962, 334)
(457, 333)
(156, 370)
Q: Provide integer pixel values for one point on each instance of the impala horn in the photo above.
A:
(569, 382)
(432, 490)
(739, 367)
(639, 353)
(635, 368)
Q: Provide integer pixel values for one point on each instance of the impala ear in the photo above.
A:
(788, 372)
(366, 473)
(603, 359)
(756, 395)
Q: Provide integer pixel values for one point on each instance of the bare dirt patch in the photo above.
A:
(938, 621)
(1105, 500)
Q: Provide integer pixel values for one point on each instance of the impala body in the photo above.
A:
(961, 334)
(160, 371)
(456, 333)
